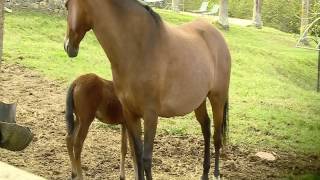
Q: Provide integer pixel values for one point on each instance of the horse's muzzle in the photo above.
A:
(70, 50)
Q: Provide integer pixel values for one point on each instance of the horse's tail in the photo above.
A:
(70, 109)
(225, 122)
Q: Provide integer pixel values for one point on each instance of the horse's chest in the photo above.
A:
(130, 100)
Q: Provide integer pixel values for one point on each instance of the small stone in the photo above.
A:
(7, 10)
(266, 156)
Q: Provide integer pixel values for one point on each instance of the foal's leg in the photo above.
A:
(204, 120)
(133, 125)
(150, 126)
(123, 151)
(217, 108)
(70, 143)
(81, 135)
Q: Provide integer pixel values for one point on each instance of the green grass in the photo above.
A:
(273, 98)
(304, 177)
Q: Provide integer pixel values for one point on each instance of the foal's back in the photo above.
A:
(95, 97)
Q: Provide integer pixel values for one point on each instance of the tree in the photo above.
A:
(1, 27)
(305, 8)
(223, 14)
(175, 5)
(256, 16)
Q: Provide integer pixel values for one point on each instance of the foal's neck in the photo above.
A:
(124, 28)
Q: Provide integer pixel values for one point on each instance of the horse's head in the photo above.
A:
(78, 23)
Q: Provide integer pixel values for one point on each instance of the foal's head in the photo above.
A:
(78, 23)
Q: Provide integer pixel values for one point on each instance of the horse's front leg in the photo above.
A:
(133, 126)
(150, 126)
(123, 151)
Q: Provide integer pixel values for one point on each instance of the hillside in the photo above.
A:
(273, 100)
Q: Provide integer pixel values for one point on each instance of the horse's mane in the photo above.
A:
(154, 15)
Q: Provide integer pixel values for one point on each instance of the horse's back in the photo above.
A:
(87, 94)
(197, 60)
(202, 37)
(218, 49)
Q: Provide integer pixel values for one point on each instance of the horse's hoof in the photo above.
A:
(122, 178)
(77, 178)
(217, 178)
(205, 177)
(73, 175)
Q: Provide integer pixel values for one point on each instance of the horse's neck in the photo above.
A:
(123, 30)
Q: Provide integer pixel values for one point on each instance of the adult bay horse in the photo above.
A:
(89, 97)
(158, 70)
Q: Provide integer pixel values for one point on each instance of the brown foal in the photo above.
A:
(89, 97)
(158, 70)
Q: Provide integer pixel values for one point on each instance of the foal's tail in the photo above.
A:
(70, 109)
(225, 122)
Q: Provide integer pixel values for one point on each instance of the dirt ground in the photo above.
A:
(41, 107)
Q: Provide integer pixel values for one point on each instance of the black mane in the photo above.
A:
(154, 15)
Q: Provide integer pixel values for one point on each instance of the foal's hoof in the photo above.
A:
(122, 178)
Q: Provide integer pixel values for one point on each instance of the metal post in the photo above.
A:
(318, 86)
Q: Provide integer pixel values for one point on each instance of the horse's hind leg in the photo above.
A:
(80, 136)
(217, 104)
(150, 126)
(204, 120)
(123, 151)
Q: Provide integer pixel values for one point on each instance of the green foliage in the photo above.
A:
(190, 5)
(282, 14)
(315, 13)
(241, 8)
(273, 103)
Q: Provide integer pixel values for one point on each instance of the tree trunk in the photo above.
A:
(1, 27)
(256, 17)
(175, 5)
(223, 14)
(304, 20)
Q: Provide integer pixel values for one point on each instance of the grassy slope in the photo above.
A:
(273, 102)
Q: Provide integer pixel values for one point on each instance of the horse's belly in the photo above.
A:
(179, 106)
(187, 84)
(182, 100)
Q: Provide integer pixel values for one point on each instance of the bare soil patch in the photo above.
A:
(41, 107)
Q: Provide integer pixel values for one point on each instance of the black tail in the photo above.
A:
(225, 122)
(69, 110)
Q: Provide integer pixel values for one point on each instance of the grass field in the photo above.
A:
(273, 99)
